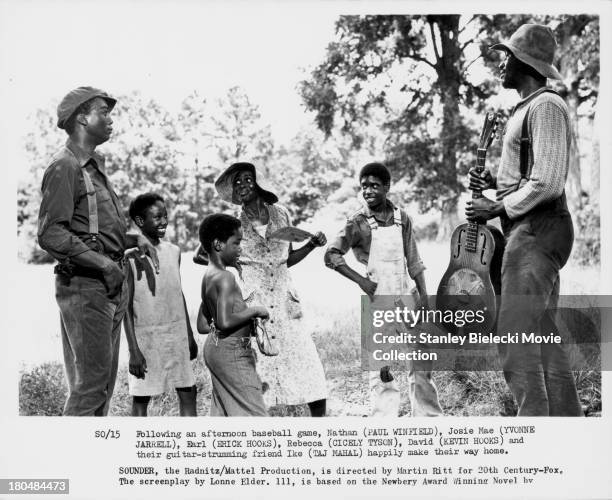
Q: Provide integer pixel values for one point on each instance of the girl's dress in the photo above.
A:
(160, 327)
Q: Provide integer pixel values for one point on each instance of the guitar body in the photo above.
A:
(472, 281)
(473, 277)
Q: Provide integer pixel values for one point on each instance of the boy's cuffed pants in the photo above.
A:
(236, 387)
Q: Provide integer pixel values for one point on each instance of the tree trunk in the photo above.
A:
(574, 177)
(449, 220)
(448, 57)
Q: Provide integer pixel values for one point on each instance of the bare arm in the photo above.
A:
(201, 323)
(422, 289)
(137, 362)
(368, 286)
(227, 319)
(296, 256)
(193, 346)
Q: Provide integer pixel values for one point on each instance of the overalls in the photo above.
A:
(387, 268)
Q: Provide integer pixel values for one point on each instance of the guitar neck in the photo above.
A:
(481, 156)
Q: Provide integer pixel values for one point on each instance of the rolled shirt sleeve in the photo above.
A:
(551, 136)
(59, 190)
(347, 239)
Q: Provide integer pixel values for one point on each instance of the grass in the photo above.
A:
(331, 314)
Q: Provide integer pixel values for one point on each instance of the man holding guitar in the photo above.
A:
(537, 226)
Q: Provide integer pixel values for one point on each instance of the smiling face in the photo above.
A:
(98, 122)
(155, 221)
(374, 192)
(244, 187)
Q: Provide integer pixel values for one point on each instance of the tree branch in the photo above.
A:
(421, 59)
(464, 71)
(472, 40)
(433, 40)
(466, 24)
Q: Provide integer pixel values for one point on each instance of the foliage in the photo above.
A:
(178, 155)
(414, 69)
(412, 75)
(587, 245)
(42, 391)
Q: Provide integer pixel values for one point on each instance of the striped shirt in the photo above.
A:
(550, 135)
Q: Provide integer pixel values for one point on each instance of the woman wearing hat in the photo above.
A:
(296, 375)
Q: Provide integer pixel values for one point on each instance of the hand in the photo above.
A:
(200, 256)
(318, 240)
(385, 374)
(145, 247)
(423, 302)
(138, 364)
(483, 209)
(369, 287)
(482, 181)
(193, 347)
(113, 278)
(142, 265)
(260, 312)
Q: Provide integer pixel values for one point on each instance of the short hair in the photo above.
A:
(377, 170)
(217, 226)
(83, 108)
(139, 205)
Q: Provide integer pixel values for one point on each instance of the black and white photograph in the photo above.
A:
(219, 204)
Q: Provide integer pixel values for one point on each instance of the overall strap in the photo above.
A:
(525, 166)
(92, 206)
(397, 217)
(372, 222)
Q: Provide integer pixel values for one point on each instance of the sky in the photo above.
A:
(167, 50)
(162, 50)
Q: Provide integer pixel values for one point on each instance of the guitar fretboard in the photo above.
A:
(472, 231)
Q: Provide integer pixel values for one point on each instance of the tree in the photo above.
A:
(314, 171)
(420, 61)
(178, 155)
(222, 132)
(40, 145)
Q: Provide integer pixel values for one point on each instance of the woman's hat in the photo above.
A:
(535, 45)
(225, 183)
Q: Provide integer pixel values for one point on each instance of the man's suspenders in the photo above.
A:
(525, 166)
(92, 207)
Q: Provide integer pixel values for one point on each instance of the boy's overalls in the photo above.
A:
(387, 268)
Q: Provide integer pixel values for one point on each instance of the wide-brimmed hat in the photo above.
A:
(535, 45)
(225, 183)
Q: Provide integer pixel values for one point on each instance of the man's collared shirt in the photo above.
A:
(550, 134)
(357, 236)
(63, 221)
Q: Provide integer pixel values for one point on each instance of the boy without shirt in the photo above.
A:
(236, 387)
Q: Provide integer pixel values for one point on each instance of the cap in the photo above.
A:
(75, 98)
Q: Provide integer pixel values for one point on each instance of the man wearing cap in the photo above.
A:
(537, 226)
(81, 224)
